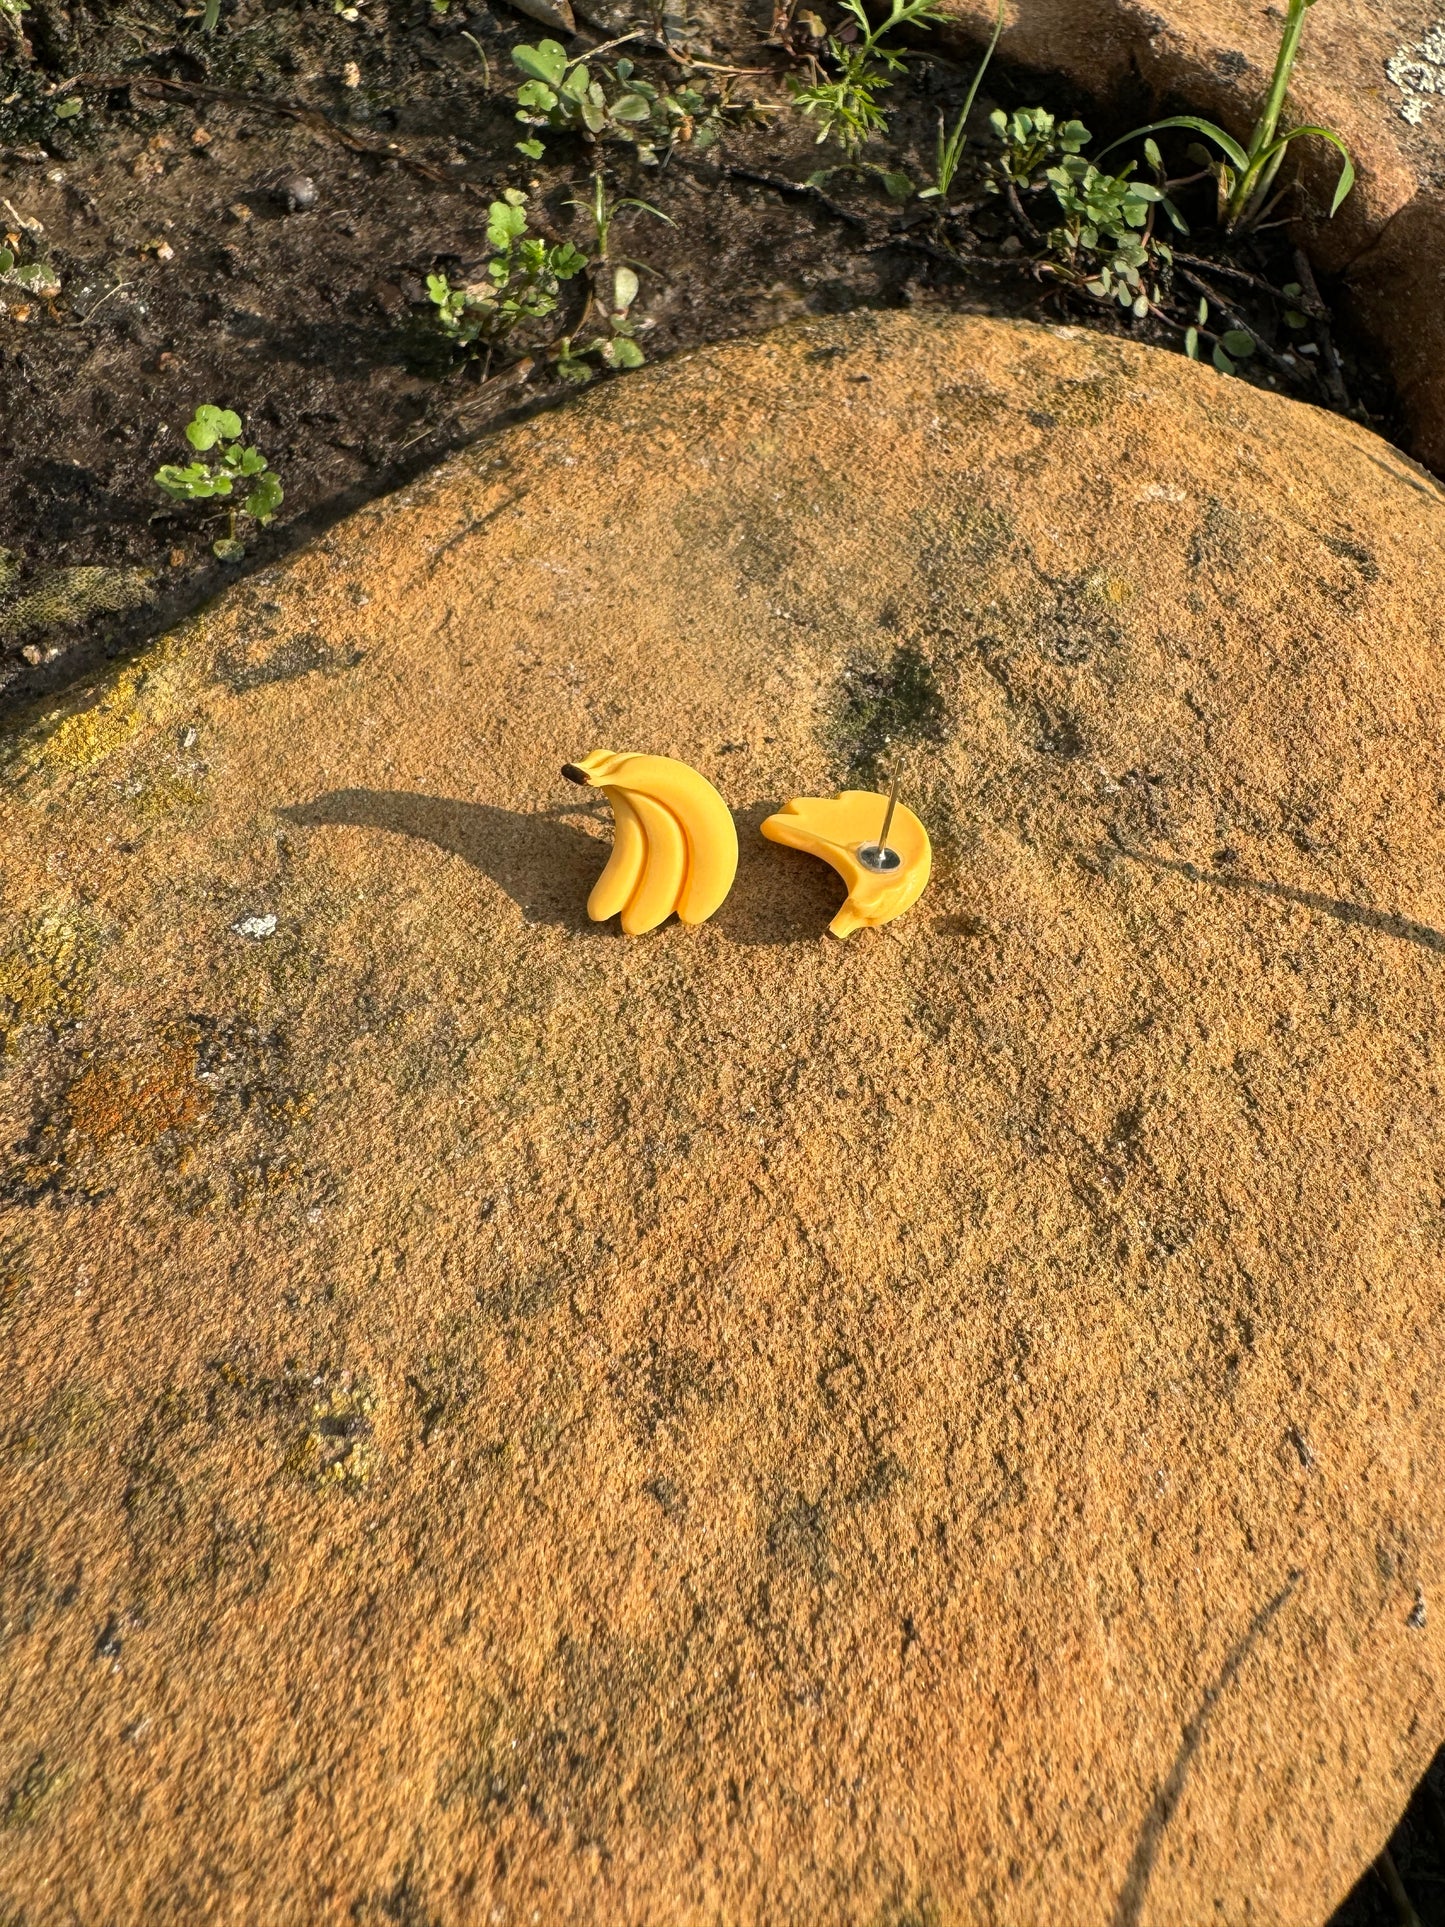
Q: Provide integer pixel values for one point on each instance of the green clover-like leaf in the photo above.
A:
(210, 425)
(191, 484)
(265, 498)
(566, 261)
(505, 224)
(546, 61)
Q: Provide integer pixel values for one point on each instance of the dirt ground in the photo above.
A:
(248, 217)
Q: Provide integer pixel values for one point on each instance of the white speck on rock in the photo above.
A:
(255, 927)
(1419, 73)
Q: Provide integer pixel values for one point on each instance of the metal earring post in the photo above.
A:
(888, 813)
(877, 856)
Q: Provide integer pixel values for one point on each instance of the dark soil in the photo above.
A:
(232, 222)
(236, 218)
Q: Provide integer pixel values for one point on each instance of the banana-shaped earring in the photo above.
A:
(674, 844)
(885, 869)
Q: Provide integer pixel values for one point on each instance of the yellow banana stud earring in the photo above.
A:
(879, 848)
(674, 842)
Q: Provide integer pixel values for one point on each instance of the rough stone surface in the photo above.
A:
(1374, 70)
(504, 1422)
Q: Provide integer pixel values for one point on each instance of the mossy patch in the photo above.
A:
(886, 707)
(84, 733)
(972, 405)
(31, 1792)
(334, 1447)
(46, 973)
(72, 1417)
(159, 794)
(1081, 401)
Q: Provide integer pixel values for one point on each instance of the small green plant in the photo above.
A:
(1032, 138)
(612, 291)
(616, 103)
(35, 277)
(846, 104)
(1106, 239)
(617, 346)
(233, 465)
(602, 210)
(524, 276)
(1230, 348)
(10, 12)
(950, 145)
(1246, 175)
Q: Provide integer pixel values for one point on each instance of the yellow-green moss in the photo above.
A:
(85, 732)
(46, 972)
(335, 1447)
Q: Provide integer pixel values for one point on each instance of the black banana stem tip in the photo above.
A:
(573, 774)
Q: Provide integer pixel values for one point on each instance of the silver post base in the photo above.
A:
(879, 858)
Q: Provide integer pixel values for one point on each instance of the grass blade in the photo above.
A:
(950, 150)
(1347, 172)
(1226, 143)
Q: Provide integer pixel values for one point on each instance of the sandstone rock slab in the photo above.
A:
(505, 1422)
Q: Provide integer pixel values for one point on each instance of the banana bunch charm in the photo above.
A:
(675, 846)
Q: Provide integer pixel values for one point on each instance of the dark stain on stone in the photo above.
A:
(521, 1297)
(757, 529)
(798, 1536)
(667, 1385)
(888, 707)
(1059, 734)
(886, 1473)
(1356, 553)
(1072, 624)
(303, 655)
(1221, 539)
